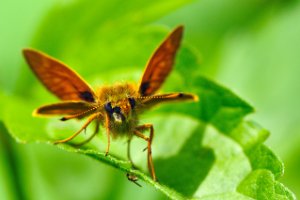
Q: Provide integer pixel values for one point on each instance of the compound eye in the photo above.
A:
(131, 102)
(108, 107)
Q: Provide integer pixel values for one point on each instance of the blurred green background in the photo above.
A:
(249, 46)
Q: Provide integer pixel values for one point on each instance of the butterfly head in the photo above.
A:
(120, 111)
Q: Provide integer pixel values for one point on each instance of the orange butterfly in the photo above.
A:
(115, 107)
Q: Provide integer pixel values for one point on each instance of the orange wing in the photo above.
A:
(58, 78)
(160, 64)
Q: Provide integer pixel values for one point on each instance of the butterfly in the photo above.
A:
(116, 107)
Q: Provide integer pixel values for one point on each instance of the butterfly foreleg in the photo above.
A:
(98, 121)
(90, 119)
(138, 133)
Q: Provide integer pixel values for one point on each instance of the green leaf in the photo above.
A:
(202, 150)
(261, 184)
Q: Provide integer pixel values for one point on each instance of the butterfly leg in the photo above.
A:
(107, 133)
(91, 137)
(90, 119)
(128, 152)
(128, 149)
(149, 139)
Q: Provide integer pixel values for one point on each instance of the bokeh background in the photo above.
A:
(249, 46)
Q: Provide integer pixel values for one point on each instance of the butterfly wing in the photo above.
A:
(63, 108)
(160, 64)
(58, 78)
